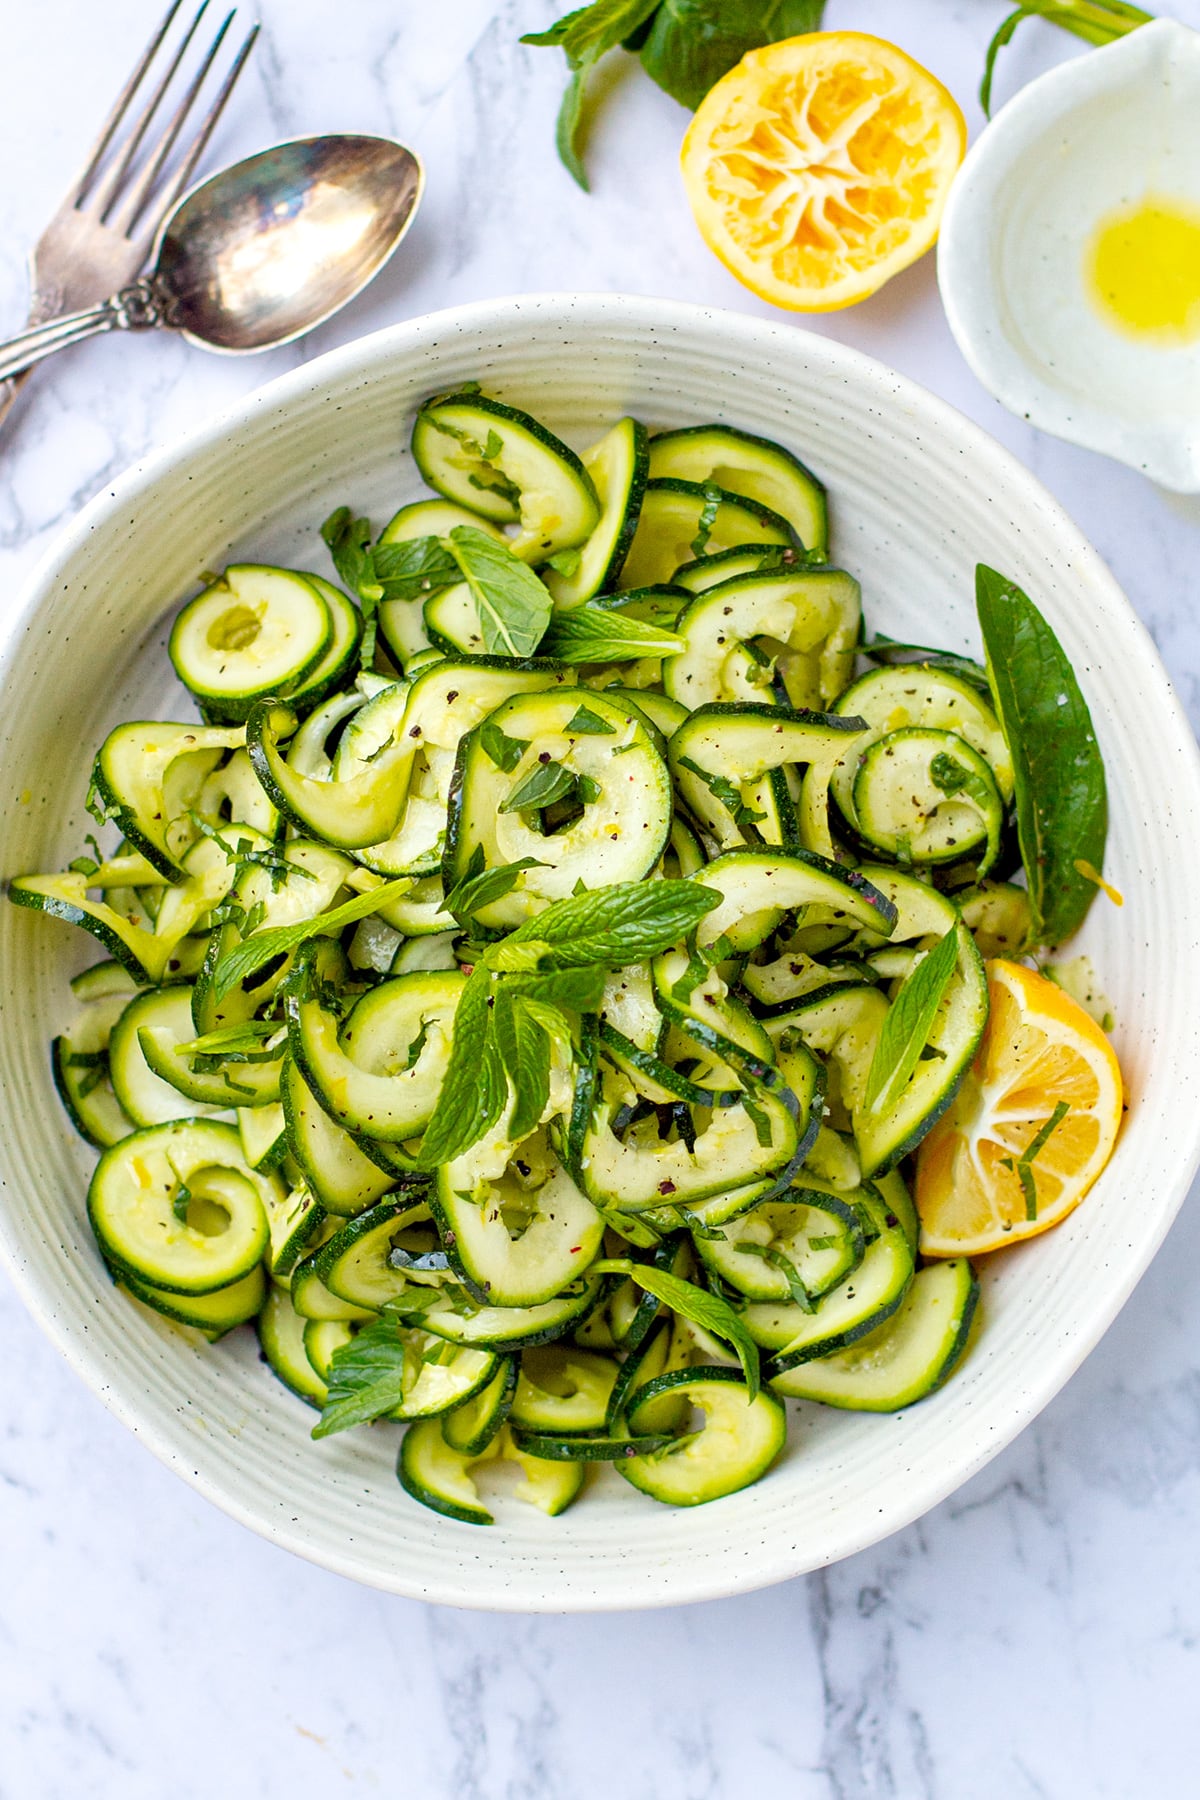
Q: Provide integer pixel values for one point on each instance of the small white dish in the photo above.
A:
(918, 494)
(1102, 132)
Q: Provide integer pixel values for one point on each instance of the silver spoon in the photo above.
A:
(260, 253)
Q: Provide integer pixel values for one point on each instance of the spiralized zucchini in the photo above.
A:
(695, 1143)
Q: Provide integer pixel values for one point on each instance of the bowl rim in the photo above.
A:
(697, 1580)
(966, 272)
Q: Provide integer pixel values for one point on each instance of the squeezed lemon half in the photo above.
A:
(818, 168)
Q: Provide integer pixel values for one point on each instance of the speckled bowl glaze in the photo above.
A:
(918, 495)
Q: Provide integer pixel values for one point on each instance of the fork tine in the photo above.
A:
(114, 118)
(179, 182)
(110, 185)
(124, 216)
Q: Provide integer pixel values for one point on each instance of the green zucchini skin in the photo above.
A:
(277, 632)
(130, 1207)
(672, 522)
(281, 1337)
(705, 1467)
(448, 439)
(620, 466)
(597, 1447)
(703, 1117)
(474, 1424)
(753, 467)
(908, 1356)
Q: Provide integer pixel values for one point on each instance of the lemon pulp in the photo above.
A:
(1144, 270)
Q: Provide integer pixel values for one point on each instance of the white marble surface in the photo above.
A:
(1037, 1635)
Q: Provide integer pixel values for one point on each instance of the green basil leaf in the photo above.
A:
(506, 752)
(692, 43)
(615, 926)
(545, 783)
(263, 946)
(366, 1378)
(590, 634)
(585, 723)
(724, 791)
(474, 1089)
(514, 606)
(1061, 796)
(891, 650)
(909, 1020)
(795, 18)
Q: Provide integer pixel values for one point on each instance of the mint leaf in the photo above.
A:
(366, 1378)
(708, 518)
(413, 570)
(593, 30)
(581, 990)
(545, 783)
(565, 563)
(592, 634)
(231, 1040)
(480, 887)
(263, 946)
(586, 35)
(514, 606)
(909, 1020)
(473, 1089)
(614, 926)
(1060, 791)
(348, 540)
(554, 34)
(524, 1048)
(776, 1259)
(1022, 1167)
(585, 723)
(690, 1302)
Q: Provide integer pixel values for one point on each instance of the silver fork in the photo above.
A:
(104, 228)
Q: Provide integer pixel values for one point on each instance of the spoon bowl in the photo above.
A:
(260, 253)
(266, 250)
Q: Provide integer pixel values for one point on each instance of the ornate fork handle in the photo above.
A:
(138, 307)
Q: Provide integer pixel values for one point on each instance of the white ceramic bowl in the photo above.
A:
(1102, 131)
(918, 495)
